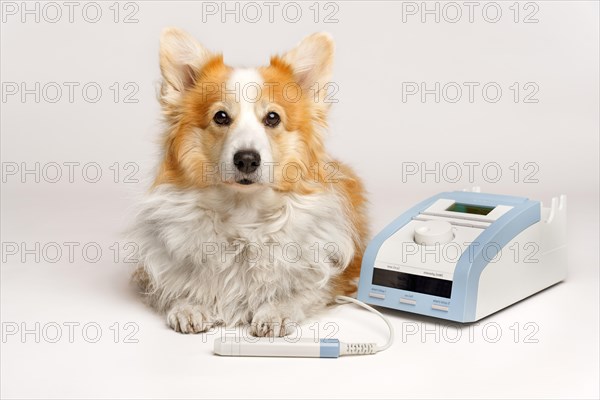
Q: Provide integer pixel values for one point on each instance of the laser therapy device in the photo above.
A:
(464, 255)
(460, 256)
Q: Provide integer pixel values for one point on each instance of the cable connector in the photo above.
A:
(356, 349)
(365, 348)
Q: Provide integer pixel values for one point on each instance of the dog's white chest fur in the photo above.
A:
(242, 258)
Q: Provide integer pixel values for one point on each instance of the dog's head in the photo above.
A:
(244, 128)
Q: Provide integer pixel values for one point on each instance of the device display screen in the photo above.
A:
(470, 209)
(413, 283)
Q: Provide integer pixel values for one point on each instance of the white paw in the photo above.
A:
(188, 318)
(272, 325)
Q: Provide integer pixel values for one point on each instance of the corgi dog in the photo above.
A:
(249, 221)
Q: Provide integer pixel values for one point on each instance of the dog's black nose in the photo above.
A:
(247, 161)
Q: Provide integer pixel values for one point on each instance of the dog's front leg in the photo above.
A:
(186, 316)
(275, 320)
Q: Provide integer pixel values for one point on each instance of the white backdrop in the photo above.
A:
(430, 97)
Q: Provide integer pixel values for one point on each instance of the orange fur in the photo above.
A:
(188, 155)
(352, 188)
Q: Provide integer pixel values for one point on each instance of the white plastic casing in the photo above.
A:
(267, 347)
(535, 259)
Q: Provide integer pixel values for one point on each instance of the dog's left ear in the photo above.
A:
(312, 60)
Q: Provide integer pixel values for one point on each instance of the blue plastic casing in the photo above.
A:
(329, 348)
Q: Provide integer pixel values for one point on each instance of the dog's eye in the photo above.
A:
(272, 119)
(221, 118)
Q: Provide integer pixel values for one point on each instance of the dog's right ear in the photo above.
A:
(181, 57)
